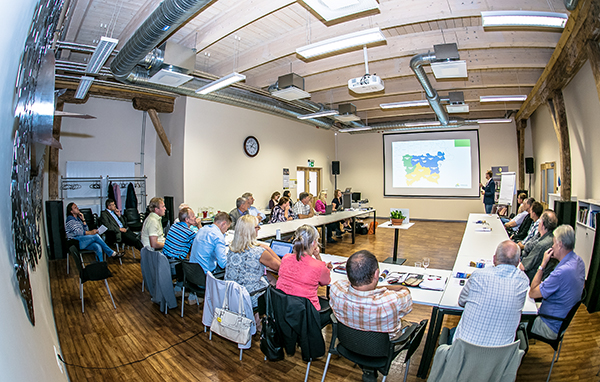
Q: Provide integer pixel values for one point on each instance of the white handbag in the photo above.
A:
(231, 325)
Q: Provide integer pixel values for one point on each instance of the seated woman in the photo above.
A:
(76, 228)
(282, 211)
(338, 205)
(274, 199)
(302, 272)
(247, 259)
(321, 203)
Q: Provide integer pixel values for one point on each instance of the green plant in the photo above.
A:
(397, 215)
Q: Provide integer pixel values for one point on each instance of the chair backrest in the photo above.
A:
(132, 216)
(370, 344)
(194, 273)
(415, 340)
(90, 218)
(568, 319)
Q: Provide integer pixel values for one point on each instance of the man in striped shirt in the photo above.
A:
(359, 304)
(179, 242)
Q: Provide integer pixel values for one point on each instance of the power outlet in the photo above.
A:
(58, 361)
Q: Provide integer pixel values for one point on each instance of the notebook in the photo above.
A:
(281, 248)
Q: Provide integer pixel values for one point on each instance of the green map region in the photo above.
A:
(419, 167)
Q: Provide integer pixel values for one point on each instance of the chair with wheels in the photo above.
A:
(374, 350)
(94, 271)
(556, 343)
(194, 279)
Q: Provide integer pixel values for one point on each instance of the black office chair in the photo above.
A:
(133, 219)
(374, 350)
(75, 243)
(556, 343)
(91, 219)
(95, 271)
(194, 279)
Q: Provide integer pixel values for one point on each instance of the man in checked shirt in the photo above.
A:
(359, 304)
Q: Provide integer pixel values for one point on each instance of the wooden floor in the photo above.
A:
(106, 338)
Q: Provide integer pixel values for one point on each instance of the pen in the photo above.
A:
(338, 262)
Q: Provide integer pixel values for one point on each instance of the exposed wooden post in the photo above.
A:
(593, 51)
(53, 155)
(559, 119)
(521, 125)
(160, 131)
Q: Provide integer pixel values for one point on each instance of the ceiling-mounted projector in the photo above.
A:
(366, 84)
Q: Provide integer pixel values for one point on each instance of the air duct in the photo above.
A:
(571, 4)
(416, 64)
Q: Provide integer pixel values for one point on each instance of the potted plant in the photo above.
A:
(397, 217)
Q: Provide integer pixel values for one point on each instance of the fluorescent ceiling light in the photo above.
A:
(395, 105)
(495, 120)
(508, 98)
(347, 117)
(523, 19)
(291, 93)
(449, 69)
(103, 50)
(341, 42)
(335, 9)
(170, 78)
(458, 108)
(221, 83)
(84, 86)
(352, 129)
(422, 124)
(323, 113)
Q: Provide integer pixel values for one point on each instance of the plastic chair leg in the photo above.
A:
(81, 295)
(326, 366)
(406, 366)
(182, 299)
(110, 294)
(142, 285)
(559, 348)
(307, 371)
(241, 351)
(551, 366)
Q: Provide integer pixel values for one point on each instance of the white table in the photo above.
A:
(419, 296)
(396, 228)
(475, 246)
(270, 230)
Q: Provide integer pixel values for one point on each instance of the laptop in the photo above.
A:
(328, 209)
(281, 248)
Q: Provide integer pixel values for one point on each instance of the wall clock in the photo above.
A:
(251, 146)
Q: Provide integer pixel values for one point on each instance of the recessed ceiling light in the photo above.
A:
(335, 9)
(169, 78)
(449, 69)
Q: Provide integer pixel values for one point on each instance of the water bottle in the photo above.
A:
(278, 234)
(383, 275)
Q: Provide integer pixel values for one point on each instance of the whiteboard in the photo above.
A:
(507, 188)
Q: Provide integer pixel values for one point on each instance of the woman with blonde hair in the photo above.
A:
(247, 259)
(302, 272)
(321, 203)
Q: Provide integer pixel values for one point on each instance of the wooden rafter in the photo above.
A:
(559, 118)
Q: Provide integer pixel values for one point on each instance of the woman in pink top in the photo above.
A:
(302, 272)
(321, 203)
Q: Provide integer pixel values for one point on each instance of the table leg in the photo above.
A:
(435, 326)
(395, 246)
(353, 228)
(374, 220)
(323, 238)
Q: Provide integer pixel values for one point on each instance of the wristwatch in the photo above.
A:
(540, 268)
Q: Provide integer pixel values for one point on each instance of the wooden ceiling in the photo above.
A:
(259, 37)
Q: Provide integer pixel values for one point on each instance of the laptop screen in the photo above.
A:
(281, 248)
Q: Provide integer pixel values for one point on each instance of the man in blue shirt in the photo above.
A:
(563, 288)
(116, 226)
(209, 248)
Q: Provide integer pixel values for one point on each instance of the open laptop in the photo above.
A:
(281, 248)
(328, 209)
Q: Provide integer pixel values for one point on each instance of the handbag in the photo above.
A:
(270, 341)
(231, 325)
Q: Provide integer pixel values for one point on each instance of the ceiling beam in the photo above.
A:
(570, 54)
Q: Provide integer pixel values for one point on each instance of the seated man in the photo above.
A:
(180, 237)
(534, 212)
(523, 211)
(116, 226)
(302, 208)
(523, 229)
(209, 248)
(76, 228)
(533, 253)
(563, 288)
(153, 235)
(359, 304)
(253, 210)
(493, 299)
(198, 220)
(504, 210)
(242, 204)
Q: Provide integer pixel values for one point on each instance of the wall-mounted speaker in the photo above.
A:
(529, 165)
(335, 167)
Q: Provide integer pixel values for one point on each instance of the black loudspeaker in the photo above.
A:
(56, 229)
(529, 165)
(170, 209)
(335, 167)
(566, 212)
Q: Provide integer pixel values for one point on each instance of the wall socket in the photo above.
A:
(58, 361)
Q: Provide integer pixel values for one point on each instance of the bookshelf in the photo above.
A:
(585, 231)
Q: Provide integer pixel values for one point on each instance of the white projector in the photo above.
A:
(366, 84)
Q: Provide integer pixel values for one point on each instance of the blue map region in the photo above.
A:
(429, 160)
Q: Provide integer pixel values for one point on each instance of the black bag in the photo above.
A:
(270, 341)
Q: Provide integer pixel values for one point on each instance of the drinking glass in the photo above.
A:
(425, 263)
(418, 264)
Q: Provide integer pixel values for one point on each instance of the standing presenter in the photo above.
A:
(488, 191)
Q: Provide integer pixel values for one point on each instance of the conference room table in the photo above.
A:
(271, 230)
(482, 235)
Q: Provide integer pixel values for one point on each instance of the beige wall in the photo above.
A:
(583, 116)
(361, 158)
(216, 169)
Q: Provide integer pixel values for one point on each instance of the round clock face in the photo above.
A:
(251, 146)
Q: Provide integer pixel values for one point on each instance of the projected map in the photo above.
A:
(422, 167)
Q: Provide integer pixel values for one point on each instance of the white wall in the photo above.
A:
(583, 113)
(115, 135)
(216, 169)
(27, 352)
(361, 162)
